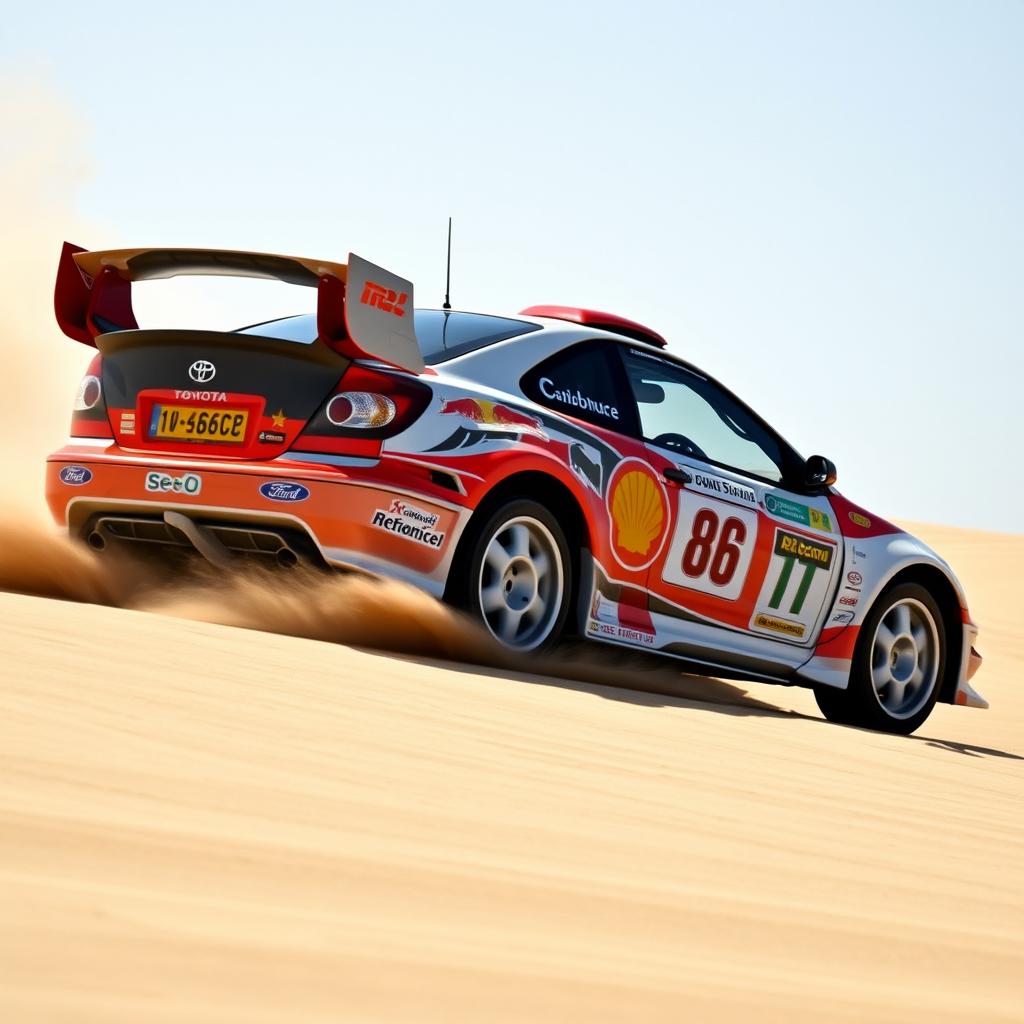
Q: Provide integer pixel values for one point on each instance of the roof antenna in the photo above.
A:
(448, 279)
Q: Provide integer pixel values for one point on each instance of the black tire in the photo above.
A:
(895, 706)
(477, 577)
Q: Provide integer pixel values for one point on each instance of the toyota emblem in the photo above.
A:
(202, 370)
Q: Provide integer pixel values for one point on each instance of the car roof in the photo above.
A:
(474, 332)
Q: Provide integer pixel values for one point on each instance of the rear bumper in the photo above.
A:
(388, 516)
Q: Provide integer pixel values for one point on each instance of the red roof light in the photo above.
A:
(602, 321)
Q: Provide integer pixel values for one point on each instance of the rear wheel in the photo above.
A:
(897, 667)
(519, 576)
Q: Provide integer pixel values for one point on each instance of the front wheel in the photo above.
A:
(519, 578)
(897, 667)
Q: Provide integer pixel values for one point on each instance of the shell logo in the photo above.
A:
(638, 509)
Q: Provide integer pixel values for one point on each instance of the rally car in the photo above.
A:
(556, 471)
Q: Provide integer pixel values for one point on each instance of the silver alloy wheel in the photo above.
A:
(521, 583)
(905, 658)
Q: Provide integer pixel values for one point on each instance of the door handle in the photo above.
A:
(677, 476)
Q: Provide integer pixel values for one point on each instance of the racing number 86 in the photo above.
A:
(713, 550)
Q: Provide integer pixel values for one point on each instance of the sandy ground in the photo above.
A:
(207, 823)
(200, 822)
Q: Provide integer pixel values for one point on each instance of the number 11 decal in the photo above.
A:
(795, 586)
(809, 569)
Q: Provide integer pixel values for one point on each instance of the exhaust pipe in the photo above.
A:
(96, 540)
(202, 540)
(286, 558)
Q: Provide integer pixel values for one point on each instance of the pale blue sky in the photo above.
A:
(819, 203)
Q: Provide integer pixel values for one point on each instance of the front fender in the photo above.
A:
(870, 565)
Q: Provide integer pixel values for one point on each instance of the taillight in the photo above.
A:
(360, 409)
(89, 415)
(369, 405)
(90, 391)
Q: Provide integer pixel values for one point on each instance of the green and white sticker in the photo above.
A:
(797, 513)
(795, 586)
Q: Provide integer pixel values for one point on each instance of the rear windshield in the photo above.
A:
(292, 328)
(442, 335)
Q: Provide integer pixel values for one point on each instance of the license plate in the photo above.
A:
(192, 423)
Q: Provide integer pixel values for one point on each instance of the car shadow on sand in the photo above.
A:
(630, 677)
(646, 680)
(970, 749)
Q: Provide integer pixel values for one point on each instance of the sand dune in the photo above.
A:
(207, 823)
(200, 822)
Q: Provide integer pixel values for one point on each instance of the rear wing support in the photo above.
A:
(363, 311)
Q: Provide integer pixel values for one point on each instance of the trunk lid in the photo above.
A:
(211, 394)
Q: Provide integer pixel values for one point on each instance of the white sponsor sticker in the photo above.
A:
(719, 487)
(164, 483)
(795, 585)
(415, 524)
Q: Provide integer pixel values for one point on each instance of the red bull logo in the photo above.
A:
(492, 414)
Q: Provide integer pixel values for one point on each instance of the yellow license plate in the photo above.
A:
(191, 423)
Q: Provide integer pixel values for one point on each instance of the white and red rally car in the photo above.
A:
(554, 471)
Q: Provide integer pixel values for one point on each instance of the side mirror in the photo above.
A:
(819, 472)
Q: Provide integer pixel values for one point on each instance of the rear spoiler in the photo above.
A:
(92, 295)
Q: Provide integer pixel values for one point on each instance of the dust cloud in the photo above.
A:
(41, 168)
(383, 615)
(44, 166)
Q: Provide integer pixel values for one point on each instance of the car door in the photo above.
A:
(751, 562)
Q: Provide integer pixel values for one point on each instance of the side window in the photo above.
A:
(586, 382)
(682, 411)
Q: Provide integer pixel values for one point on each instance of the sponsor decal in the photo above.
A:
(777, 625)
(575, 398)
(850, 602)
(415, 524)
(201, 396)
(279, 418)
(804, 550)
(387, 300)
(638, 510)
(165, 483)
(841, 618)
(797, 513)
(493, 415)
(75, 476)
(854, 579)
(270, 437)
(794, 584)
(721, 488)
(588, 469)
(417, 515)
(634, 636)
(127, 423)
(202, 371)
(857, 556)
(858, 520)
(284, 490)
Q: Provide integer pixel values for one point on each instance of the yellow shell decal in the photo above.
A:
(636, 503)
